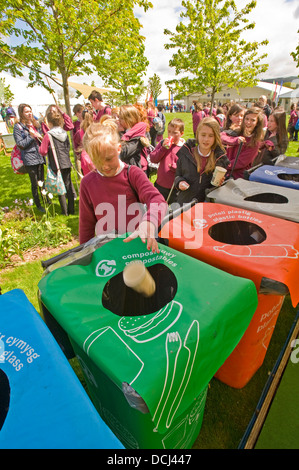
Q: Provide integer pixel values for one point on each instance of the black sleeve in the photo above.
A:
(178, 174)
(130, 152)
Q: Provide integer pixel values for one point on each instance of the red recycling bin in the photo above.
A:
(249, 354)
(256, 246)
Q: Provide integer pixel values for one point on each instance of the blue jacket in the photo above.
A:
(28, 145)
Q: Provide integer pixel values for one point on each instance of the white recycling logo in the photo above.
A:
(105, 268)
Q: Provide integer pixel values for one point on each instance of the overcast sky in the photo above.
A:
(276, 20)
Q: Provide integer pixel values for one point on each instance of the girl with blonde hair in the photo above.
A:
(109, 195)
(197, 160)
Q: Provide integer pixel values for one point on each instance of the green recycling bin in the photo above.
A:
(148, 361)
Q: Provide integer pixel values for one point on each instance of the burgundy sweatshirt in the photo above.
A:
(197, 116)
(167, 159)
(101, 112)
(86, 162)
(246, 157)
(104, 204)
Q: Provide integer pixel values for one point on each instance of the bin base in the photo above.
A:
(249, 354)
(134, 429)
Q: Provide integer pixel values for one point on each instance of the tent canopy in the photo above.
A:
(87, 89)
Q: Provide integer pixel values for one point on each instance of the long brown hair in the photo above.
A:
(130, 115)
(211, 161)
(280, 119)
(87, 119)
(234, 109)
(21, 108)
(258, 132)
(143, 114)
(54, 117)
(198, 106)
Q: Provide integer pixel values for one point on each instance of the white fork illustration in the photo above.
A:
(171, 371)
(173, 346)
(194, 329)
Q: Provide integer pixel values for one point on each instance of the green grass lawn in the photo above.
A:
(187, 118)
(228, 411)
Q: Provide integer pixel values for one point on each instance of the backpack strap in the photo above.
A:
(54, 152)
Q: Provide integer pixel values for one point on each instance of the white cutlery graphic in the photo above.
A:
(173, 346)
(193, 332)
(173, 349)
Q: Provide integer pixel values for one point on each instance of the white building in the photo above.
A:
(246, 95)
(37, 97)
(290, 97)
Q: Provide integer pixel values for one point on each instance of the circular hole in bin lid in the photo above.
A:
(124, 301)
(270, 198)
(237, 232)
(289, 177)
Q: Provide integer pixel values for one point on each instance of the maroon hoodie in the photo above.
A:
(104, 203)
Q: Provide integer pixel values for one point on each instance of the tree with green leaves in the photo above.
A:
(154, 86)
(56, 39)
(210, 50)
(123, 68)
(295, 54)
(6, 95)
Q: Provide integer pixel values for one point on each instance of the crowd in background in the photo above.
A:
(231, 135)
(8, 115)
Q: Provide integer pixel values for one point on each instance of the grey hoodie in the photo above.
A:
(62, 147)
(58, 133)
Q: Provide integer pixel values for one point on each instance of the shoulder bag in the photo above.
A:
(54, 183)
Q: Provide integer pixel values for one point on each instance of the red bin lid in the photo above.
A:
(239, 241)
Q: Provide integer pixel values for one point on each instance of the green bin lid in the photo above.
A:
(168, 354)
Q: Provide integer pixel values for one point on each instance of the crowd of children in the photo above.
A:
(119, 148)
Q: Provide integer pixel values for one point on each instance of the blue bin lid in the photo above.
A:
(47, 405)
(273, 175)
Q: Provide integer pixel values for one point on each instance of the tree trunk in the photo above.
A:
(66, 95)
(126, 94)
(69, 112)
(212, 101)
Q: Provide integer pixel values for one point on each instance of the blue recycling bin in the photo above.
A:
(42, 402)
(276, 175)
